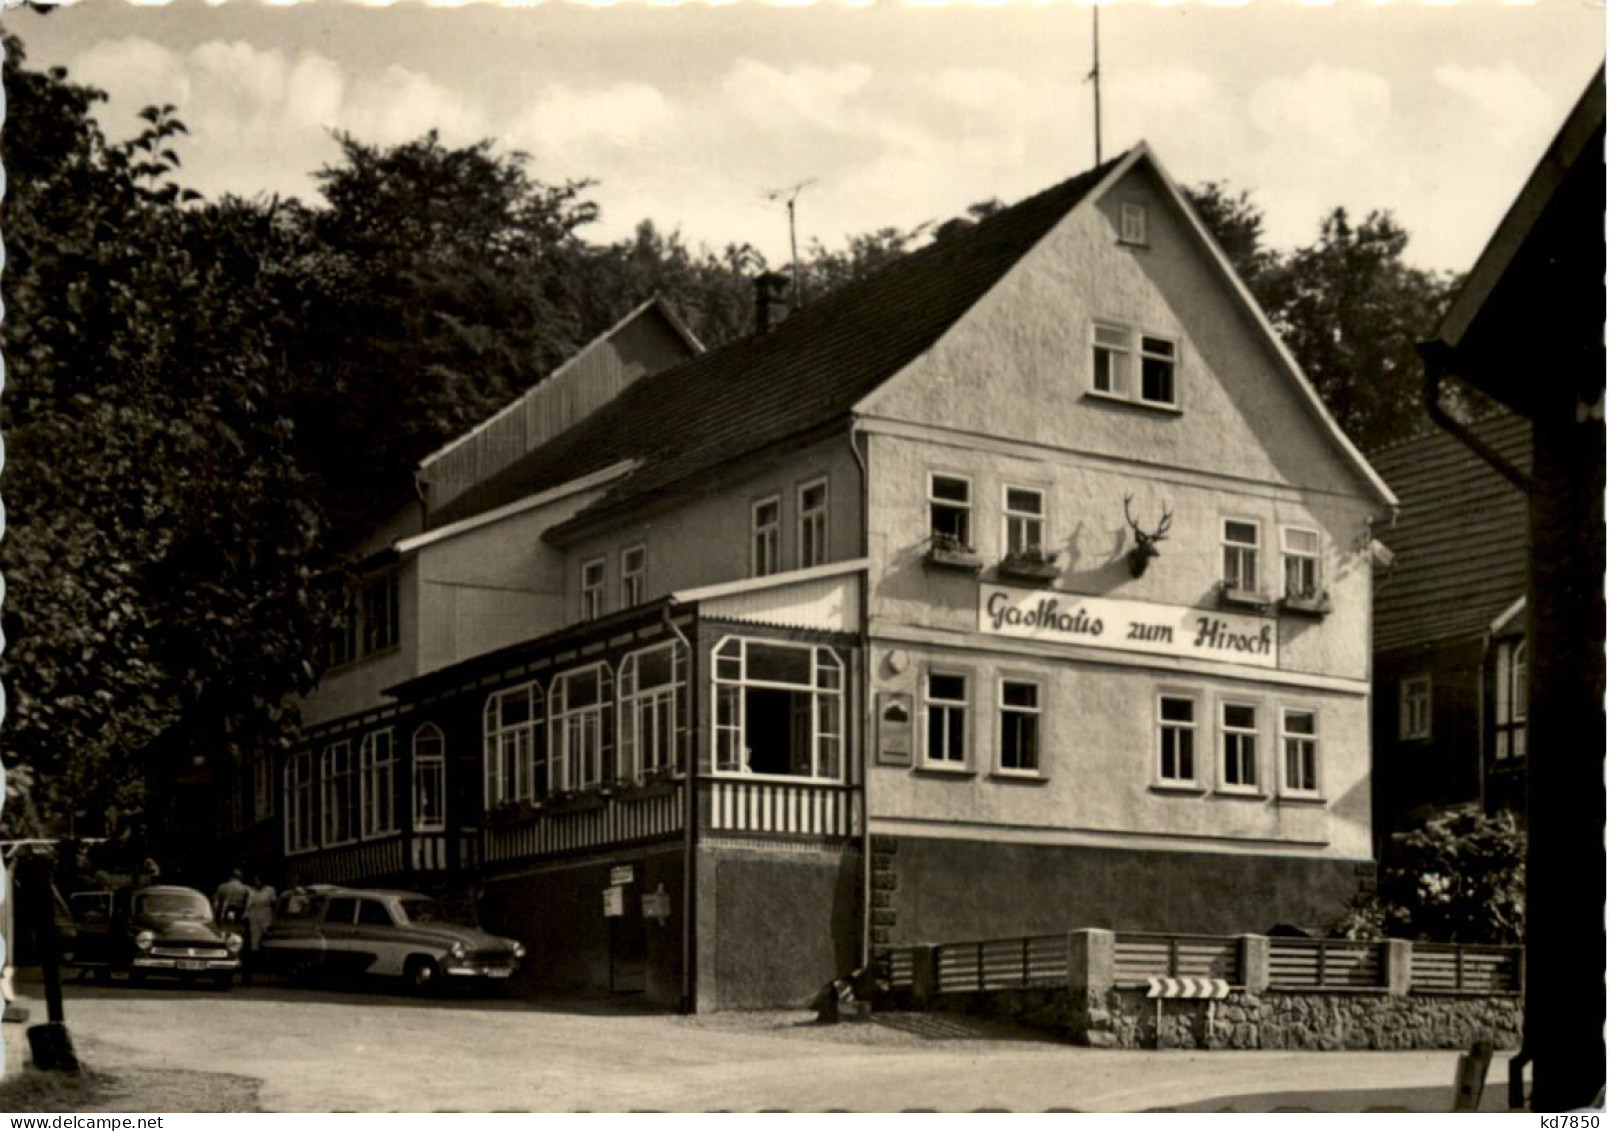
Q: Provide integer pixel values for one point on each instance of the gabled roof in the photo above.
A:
(796, 380)
(1460, 539)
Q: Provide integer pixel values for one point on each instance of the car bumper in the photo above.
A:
(477, 970)
(188, 965)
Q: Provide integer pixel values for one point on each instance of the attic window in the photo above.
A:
(1115, 349)
(1132, 224)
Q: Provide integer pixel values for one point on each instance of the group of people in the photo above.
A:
(248, 905)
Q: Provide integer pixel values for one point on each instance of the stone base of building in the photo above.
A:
(932, 889)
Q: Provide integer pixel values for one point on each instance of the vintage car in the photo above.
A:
(162, 930)
(341, 932)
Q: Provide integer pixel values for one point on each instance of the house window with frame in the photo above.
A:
(341, 802)
(1237, 734)
(1131, 224)
(343, 635)
(377, 762)
(1298, 732)
(429, 780)
(262, 786)
(633, 576)
(1113, 359)
(1158, 356)
(300, 835)
(1024, 519)
(1240, 538)
(949, 504)
(593, 572)
(1019, 727)
(578, 711)
(1302, 574)
(653, 710)
(1413, 711)
(765, 537)
(515, 751)
(381, 623)
(779, 709)
(1176, 739)
(1512, 693)
(1114, 349)
(944, 702)
(813, 524)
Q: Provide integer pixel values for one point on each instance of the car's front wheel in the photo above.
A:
(422, 974)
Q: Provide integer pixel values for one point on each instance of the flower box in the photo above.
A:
(1031, 564)
(1248, 599)
(1316, 606)
(948, 552)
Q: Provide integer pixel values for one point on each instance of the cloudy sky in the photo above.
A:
(691, 114)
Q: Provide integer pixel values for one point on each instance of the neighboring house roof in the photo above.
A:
(802, 380)
(1460, 538)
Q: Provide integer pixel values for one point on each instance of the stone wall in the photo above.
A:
(1126, 1018)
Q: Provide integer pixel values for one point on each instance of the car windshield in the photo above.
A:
(173, 905)
(422, 911)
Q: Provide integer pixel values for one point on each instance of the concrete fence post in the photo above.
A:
(1254, 963)
(924, 975)
(1396, 957)
(1091, 960)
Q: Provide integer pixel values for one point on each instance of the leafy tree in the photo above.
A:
(152, 523)
(1236, 222)
(1460, 877)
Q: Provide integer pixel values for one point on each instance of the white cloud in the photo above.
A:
(1513, 109)
(564, 117)
(1338, 110)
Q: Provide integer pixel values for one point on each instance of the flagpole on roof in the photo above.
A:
(1095, 77)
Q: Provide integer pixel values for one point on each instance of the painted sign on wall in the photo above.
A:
(1055, 617)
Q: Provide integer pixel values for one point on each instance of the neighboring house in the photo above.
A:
(1543, 270)
(1021, 585)
(1450, 689)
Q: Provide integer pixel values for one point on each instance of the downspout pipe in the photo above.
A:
(1437, 358)
(866, 712)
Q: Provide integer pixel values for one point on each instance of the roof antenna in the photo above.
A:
(792, 194)
(1094, 77)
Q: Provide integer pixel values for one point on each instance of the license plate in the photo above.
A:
(191, 964)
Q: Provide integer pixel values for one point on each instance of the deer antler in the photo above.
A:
(1141, 537)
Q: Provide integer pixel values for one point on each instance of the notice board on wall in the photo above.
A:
(894, 730)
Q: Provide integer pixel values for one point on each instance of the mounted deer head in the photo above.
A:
(1144, 548)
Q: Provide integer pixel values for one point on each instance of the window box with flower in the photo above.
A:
(1031, 563)
(1315, 604)
(946, 551)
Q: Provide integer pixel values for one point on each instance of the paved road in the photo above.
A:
(324, 1050)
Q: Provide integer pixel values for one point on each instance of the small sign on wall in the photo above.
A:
(894, 728)
(622, 874)
(656, 904)
(614, 901)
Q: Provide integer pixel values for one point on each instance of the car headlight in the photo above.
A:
(232, 941)
(519, 950)
(145, 940)
(458, 950)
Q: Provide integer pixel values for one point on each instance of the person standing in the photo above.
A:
(229, 901)
(259, 914)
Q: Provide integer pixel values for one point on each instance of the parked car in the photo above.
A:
(161, 930)
(346, 932)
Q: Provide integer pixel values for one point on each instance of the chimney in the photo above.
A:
(770, 301)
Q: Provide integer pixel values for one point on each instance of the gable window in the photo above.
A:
(1240, 555)
(813, 524)
(765, 544)
(338, 775)
(577, 709)
(1413, 713)
(633, 576)
(1132, 223)
(1512, 692)
(1019, 726)
(1112, 374)
(1298, 732)
(262, 786)
(1237, 731)
(592, 578)
(378, 764)
(653, 710)
(1176, 739)
(779, 709)
(1301, 563)
(944, 698)
(381, 628)
(949, 504)
(429, 779)
(1024, 519)
(299, 832)
(516, 755)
